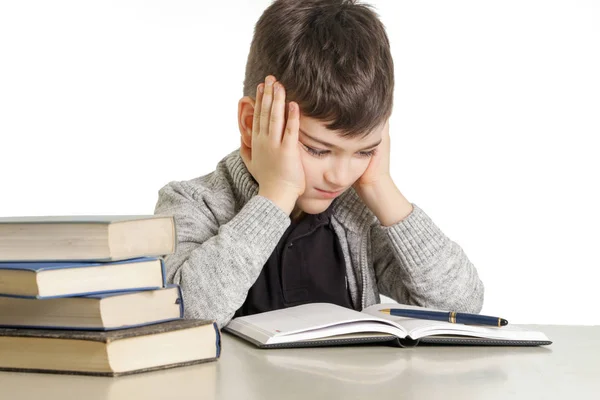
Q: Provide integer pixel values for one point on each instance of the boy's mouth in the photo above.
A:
(327, 194)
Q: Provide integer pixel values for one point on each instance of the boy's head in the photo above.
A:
(333, 58)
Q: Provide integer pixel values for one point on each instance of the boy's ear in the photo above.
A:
(245, 119)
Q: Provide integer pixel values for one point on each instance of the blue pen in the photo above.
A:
(451, 316)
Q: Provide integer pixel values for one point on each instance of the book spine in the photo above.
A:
(218, 339)
(180, 300)
(164, 271)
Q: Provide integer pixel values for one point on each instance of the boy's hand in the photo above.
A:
(377, 188)
(274, 159)
(378, 171)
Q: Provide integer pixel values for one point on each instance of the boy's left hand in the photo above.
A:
(378, 171)
(377, 188)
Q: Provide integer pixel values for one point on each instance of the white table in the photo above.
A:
(568, 369)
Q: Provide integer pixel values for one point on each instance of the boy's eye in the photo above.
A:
(315, 152)
(321, 153)
(369, 153)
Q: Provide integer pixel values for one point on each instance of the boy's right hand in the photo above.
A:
(274, 159)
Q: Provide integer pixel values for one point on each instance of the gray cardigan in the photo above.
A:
(226, 233)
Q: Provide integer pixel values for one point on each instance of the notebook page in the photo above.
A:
(307, 318)
(418, 328)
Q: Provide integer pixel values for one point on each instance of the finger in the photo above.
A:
(257, 103)
(290, 136)
(267, 100)
(277, 121)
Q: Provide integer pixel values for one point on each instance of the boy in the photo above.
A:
(306, 209)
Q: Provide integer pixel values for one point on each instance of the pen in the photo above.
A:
(451, 316)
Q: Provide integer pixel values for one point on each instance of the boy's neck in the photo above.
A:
(296, 214)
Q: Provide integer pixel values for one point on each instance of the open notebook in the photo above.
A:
(323, 324)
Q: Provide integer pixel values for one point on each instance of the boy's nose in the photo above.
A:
(338, 177)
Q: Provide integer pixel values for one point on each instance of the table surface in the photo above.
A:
(568, 367)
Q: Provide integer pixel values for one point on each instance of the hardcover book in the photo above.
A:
(156, 385)
(106, 311)
(112, 353)
(62, 279)
(86, 238)
(323, 324)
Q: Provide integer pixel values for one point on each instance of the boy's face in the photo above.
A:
(331, 163)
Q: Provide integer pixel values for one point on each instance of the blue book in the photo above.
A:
(106, 311)
(42, 280)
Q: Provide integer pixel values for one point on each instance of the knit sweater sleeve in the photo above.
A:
(216, 264)
(415, 263)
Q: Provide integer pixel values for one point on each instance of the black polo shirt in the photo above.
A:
(307, 266)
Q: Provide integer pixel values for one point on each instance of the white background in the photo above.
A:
(494, 132)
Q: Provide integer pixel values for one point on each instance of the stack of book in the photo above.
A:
(88, 295)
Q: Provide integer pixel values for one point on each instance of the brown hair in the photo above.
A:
(333, 58)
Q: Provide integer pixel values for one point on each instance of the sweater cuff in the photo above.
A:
(260, 223)
(416, 238)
